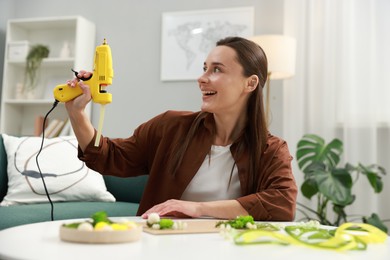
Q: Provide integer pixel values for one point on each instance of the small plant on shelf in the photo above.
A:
(33, 62)
(332, 184)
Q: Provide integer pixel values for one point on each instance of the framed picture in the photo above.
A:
(187, 38)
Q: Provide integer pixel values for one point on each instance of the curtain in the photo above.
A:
(342, 86)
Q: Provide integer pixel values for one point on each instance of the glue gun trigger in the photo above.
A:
(83, 78)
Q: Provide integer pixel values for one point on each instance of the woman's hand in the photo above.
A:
(223, 209)
(80, 102)
(80, 121)
(176, 208)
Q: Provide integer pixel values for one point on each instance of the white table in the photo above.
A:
(41, 241)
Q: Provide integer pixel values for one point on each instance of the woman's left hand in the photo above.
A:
(175, 208)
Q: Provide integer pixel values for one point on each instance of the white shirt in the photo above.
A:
(211, 182)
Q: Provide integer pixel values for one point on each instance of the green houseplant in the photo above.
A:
(331, 184)
(33, 62)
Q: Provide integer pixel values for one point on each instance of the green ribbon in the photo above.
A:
(349, 236)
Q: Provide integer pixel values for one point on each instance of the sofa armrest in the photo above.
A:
(126, 189)
(3, 170)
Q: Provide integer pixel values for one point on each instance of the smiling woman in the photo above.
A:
(219, 162)
(224, 87)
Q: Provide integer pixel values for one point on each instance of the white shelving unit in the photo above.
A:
(18, 114)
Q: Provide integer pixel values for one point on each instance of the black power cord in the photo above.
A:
(36, 159)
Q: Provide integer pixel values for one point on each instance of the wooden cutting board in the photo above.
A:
(193, 227)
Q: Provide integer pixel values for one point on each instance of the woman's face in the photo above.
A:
(223, 85)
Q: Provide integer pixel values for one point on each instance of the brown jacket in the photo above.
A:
(146, 151)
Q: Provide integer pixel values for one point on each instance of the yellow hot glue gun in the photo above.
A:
(100, 79)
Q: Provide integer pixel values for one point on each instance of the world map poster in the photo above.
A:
(187, 38)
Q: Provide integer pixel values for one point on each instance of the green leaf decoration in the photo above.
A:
(375, 221)
(311, 149)
(333, 185)
(240, 222)
(373, 173)
(339, 210)
(166, 223)
(336, 186)
(33, 62)
(309, 188)
(100, 216)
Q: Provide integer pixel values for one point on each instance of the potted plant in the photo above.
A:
(33, 62)
(331, 184)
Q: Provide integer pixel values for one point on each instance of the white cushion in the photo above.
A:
(66, 177)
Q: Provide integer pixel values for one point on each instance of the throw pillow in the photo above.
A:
(66, 177)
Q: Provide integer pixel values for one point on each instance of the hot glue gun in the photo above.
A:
(100, 79)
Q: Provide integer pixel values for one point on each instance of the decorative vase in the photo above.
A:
(19, 91)
(30, 93)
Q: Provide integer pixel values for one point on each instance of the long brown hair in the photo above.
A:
(254, 62)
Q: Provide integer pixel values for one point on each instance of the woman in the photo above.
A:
(220, 162)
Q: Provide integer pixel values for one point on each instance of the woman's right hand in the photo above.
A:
(80, 121)
(80, 102)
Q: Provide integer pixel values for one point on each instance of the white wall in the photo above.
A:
(133, 29)
(6, 11)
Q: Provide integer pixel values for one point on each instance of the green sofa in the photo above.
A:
(127, 191)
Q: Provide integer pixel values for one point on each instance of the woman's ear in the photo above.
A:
(252, 83)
